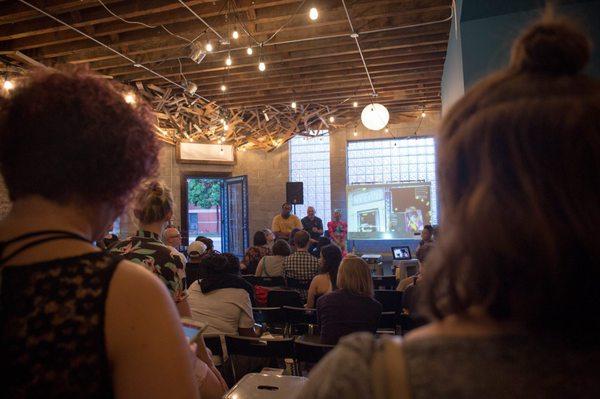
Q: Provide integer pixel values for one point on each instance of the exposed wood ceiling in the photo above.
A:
(314, 63)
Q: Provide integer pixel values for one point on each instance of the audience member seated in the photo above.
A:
(421, 255)
(351, 307)
(255, 253)
(193, 271)
(153, 208)
(301, 265)
(108, 240)
(78, 322)
(172, 239)
(291, 240)
(285, 222)
(210, 245)
(426, 238)
(411, 296)
(222, 299)
(272, 266)
(326, 280)
(270, 237)
(513, 282)
(316, 249)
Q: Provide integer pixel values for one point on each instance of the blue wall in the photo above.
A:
(486, 42)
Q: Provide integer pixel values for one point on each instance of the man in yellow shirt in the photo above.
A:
(284, 223)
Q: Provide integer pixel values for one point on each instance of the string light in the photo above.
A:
(249, 51)
(228, 61)
(355, 133)
(332, 119)
(225, 126)
(235, 34)
(355, 104)
(387, 130)
(423, 114)
(262, 66)
(129, 98)
(223, 88)
(294, 104)
(8, 85)
(313, 14)
(209, 47)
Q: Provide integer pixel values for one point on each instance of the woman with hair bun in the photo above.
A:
(78, 322)
(153, 208)
(515, 310)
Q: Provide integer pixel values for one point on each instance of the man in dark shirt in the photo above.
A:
(312, 224)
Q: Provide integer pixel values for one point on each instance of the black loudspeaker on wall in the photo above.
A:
(294, 192)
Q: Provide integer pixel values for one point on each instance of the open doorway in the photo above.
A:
(217, 208)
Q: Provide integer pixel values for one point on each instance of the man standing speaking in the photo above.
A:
(285, 222)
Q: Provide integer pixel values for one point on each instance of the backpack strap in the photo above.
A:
(389, 371)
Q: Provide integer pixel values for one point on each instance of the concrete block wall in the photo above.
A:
(267, 174)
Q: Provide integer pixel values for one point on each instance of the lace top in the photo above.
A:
(52, 328)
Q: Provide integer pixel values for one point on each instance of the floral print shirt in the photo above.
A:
(146, 249)
(253, 256)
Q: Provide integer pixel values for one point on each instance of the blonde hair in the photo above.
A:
(354, 275)
(153, 203)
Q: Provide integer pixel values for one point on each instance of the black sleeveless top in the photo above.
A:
(52, 328)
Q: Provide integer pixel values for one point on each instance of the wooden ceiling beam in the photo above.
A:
(12, 12)
(158, 36)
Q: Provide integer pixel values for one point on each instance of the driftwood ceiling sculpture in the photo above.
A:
(159, 48)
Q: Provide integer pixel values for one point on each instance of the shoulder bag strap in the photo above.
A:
(390, 374)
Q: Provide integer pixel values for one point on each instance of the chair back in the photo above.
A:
(193, 272)
(273, 318)
(391, 300)
(256, 347)
(385, 282)
(297, 284)
(279, 298)
(310, 352)
(301, 321)
(213, 342)
(270, 281)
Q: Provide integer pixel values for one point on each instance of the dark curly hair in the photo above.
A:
(520, 152)
(69, 136)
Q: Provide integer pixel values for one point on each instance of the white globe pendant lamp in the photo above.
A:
(375, 116)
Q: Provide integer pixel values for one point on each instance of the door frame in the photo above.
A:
(184, 194)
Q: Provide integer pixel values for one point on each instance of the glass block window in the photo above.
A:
(309, 163)
(394, 161)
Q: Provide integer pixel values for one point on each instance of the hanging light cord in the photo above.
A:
(354, 35)
(201, 20)
(107, 47)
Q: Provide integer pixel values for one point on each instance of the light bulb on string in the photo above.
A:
(423, 114)
(228, 61)
(294, 104)
(313, 14)
(387, 130)
(225, 126)
(249, 51)
(223, 88)
(355, 133)
(355, 104)
(235, 34)
(331, 119)
(262, 66)
(209, 47)
(129, 98)
(8, 84)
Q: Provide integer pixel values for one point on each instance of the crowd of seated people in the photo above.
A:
(515, 152)
(272, 265)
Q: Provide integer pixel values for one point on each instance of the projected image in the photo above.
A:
(388, 211)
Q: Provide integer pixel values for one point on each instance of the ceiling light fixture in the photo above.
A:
(209, 47)
(249, 51)
(331, 119)
(355, 104)
(313, 14)
(294, 104)
(228, 61)
(235, 34)
(223, 88)
(262, 66)
(8, 84)
(375, 116)
(129, 98)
